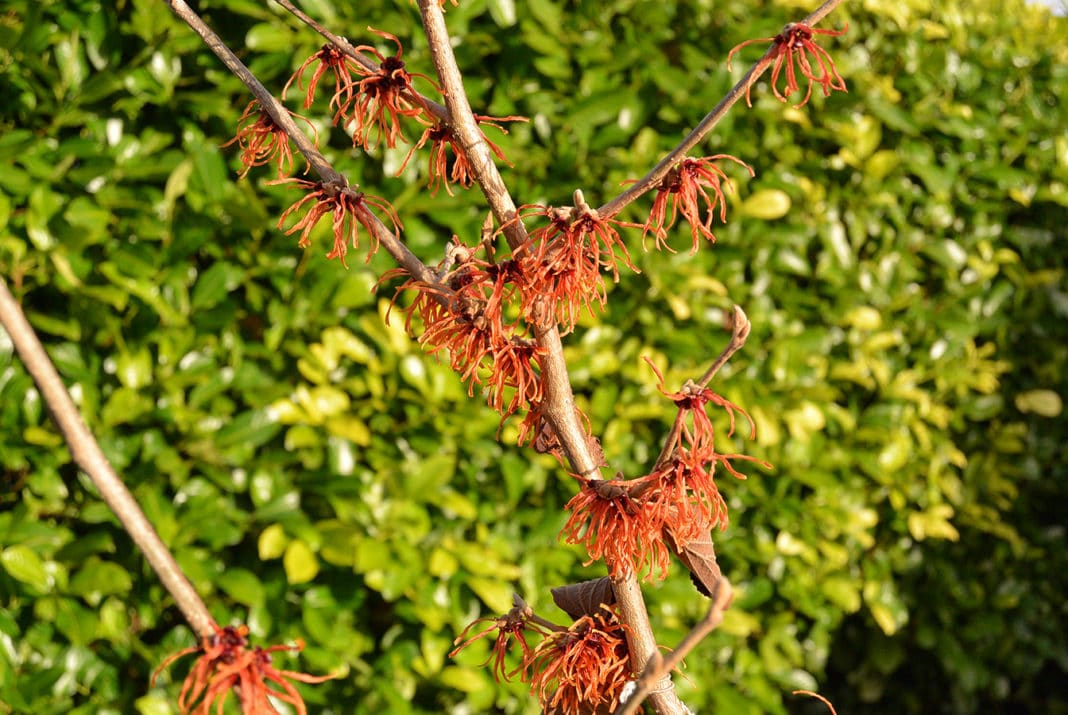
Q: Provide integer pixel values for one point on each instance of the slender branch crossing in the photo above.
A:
(90, 458)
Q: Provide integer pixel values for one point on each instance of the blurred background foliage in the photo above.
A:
(900, 252)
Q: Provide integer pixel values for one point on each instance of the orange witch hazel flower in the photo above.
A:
(463, 314)
(583, 669)
(623, 530)
(380, 98)
(350, 208)
(513, 626)
(685, 489)
(228, 663)
(562, 261)
(624, 521)
(441, 138)
(572, 671)
(794, 44)
(262, 141)
(685, 188)
(330, 57)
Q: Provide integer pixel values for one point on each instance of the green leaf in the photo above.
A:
(351, 428)
(214, 284)
(249, 430)
(1045, 403)
(885, 606)
(843, 591)
(767, 204)
(243, 586)
(97, 578)
(23, 564)
(502, 12)
(300, 563)
(154, 704)
(272, 542)
(933, 524)
(268, 37)
(76, 622)
(496, 594)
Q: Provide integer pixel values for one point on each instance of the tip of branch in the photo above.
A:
(740, 325)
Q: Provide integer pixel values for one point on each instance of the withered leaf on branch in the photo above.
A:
(584, 599)
(699, 557)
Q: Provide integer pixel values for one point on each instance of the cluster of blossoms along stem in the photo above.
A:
(350, 209)
(631, 523)
(371, 99)
(227, 663)
(575, 670)
(466, 313)
(685, 188)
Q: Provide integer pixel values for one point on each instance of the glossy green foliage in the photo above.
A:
(900, 253)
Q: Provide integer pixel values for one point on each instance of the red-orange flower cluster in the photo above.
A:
(441, 138)
(373, 100)
(574, 670)
(329, 57)
(513, 626)
(563, 260)
(351, 209)
(794, 45)
(582, 669)
(379, 99)
(466, 314)
(262, 141)
(625, 522)
(623, 530)
(226, 663)
(685, 188)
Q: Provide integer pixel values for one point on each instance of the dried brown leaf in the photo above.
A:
(584, 599)
(699, 558)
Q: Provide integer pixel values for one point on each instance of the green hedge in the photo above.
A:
(900, 253)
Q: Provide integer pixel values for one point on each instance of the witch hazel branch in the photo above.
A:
(497, 306)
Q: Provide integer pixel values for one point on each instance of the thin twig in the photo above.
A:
(658, 666)
(652, 179)
(740, 327)
(819, 697)
(90, 458)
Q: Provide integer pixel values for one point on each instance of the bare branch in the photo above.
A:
(90, 458)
